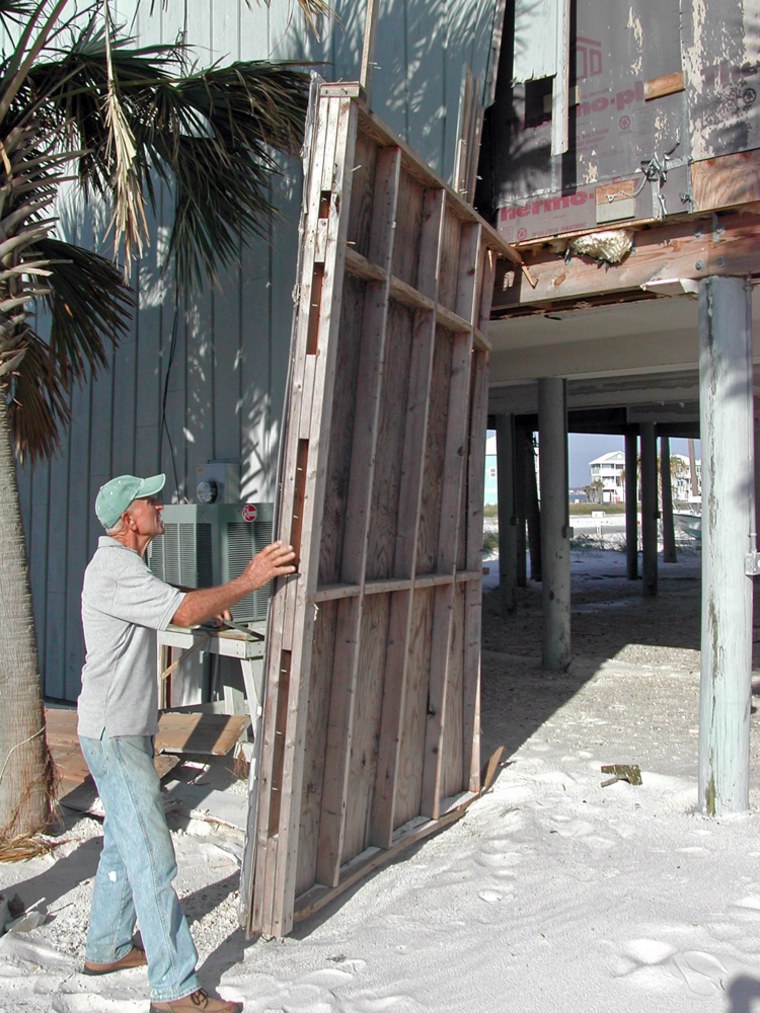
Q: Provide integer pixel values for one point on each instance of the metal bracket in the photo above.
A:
(752, 564)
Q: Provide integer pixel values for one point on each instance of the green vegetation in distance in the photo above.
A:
(491, 510)
(586, 509)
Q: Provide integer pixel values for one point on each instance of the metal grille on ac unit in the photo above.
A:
(209, 544)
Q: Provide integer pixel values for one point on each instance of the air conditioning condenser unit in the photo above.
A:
(209, 544)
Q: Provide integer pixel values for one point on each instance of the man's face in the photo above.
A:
(146, 513)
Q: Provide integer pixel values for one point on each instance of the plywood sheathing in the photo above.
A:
(370, 730)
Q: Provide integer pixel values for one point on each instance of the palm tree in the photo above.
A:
(125, 121)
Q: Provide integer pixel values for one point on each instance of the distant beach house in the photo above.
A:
(608, 477)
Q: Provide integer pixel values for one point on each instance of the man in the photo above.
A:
(123, 604)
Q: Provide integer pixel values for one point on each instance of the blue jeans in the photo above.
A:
(136, 869)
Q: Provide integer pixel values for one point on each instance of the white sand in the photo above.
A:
(552, 894)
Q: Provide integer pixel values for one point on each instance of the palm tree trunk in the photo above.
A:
(26, 769)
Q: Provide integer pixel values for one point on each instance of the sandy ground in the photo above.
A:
(554, 893)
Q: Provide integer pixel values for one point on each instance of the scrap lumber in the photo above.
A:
(371, 709)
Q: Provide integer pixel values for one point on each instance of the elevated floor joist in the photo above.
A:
(722, 244)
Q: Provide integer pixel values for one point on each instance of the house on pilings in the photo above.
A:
(611, 155)
(622, 162)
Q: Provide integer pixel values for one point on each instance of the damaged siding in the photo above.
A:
(654, 87)
(722, 69)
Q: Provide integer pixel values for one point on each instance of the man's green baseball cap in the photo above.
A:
(115, 496)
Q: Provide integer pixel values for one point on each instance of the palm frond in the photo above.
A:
(39, 403)
(209, 136)
(129, 214)
(128, 118)
(89, 308)
(27, 189)
(89, 304)
(43, 22)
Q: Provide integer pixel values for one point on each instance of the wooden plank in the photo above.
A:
(260, 855)
(406, 249)
(451, 479)
(435, 447)
(469, 129)
(367, 702)
(449, 275)
(469, 274)
(437, 698)
(408, 793)
(534, 39)
(433, 215)
(370, 587)
(61, 727)
(368, 48)
(492, 65)
(359, 232)
(383, 533)
(341, 694)
(283, 844)
(358, 264)
(726, 181)
(345, 418)
(474, 542)
(207, 734)
(696, 248)
(478, 119)
(339, 182)
(463, 131)
(453, 731)
(370, 388)
(78, 791)
(380, 831)
(315, 745)
(185, 732)
(665, 84)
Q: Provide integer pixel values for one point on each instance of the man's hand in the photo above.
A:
(275, 560)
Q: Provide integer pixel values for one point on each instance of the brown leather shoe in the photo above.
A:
(135, 958)
(197, 1002)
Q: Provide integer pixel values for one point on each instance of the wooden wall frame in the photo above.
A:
(370, 732)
